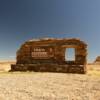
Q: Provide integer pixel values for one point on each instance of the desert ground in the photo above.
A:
(49, 86)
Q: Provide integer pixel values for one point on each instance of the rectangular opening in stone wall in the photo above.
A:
(70, 54)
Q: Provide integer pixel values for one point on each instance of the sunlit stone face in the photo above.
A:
(53, 55)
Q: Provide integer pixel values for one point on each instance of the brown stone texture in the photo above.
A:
(48, 54)
(97, 61)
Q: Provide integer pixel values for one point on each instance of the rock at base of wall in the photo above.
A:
(49, 68)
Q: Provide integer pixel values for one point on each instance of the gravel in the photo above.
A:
(49, 86)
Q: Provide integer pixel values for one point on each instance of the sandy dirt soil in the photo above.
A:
(49, 86)
(6, 65)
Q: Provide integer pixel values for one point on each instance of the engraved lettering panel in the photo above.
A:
(39, 53)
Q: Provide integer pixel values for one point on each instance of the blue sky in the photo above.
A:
(21, 20)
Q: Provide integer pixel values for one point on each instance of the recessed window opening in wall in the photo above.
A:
(70, 54)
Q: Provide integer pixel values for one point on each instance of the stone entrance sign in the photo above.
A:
(48, 54)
